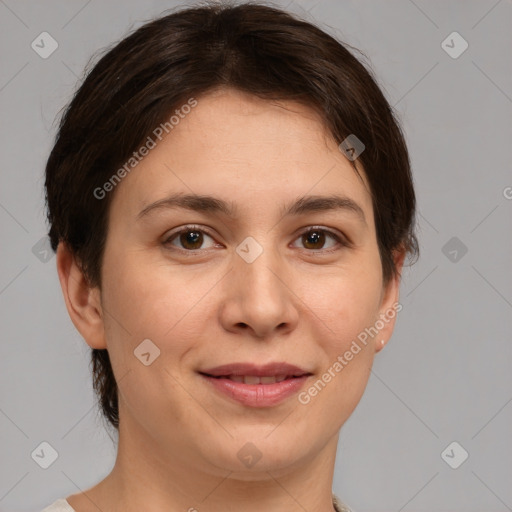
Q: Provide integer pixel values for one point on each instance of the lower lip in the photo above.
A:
(258, 395)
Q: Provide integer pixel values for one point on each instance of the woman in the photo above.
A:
(231, 203)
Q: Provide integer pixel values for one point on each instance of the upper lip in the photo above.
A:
(245, 369)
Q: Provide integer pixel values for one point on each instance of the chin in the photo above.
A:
(253, 460)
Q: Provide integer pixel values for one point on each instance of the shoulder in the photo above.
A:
(61, 505)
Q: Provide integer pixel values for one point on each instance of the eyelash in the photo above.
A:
(342, 241)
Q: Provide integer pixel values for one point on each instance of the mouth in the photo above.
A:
(277, 370)
(256, 386)
(254, 379)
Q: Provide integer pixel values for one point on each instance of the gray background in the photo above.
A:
(445, 375)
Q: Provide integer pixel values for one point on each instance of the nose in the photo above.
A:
(259, 298)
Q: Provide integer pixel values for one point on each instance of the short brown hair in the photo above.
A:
(252, 47)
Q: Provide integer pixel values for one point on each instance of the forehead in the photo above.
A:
(230, 119)
(235, 145)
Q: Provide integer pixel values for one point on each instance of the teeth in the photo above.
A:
(251, 379)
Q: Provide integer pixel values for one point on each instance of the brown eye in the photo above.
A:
(189, 239)
(313, 239)
(316, 238)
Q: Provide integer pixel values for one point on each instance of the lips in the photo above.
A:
(254, 379)
(256, 386)
(279, 370)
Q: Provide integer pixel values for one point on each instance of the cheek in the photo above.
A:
(151, 300)
(348, 353)
(350, 305)
(346, 302)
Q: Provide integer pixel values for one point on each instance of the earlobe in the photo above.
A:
(380, 345)
(82, 301)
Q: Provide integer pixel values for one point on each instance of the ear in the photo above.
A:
(82, 301)
(390, 305)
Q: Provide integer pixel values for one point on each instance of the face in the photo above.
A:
(251, 276)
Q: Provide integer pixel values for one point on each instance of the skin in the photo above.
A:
(299, 302)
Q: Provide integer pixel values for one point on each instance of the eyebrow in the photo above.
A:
(213, 205)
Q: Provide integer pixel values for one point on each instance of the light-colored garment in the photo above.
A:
(62, 505)
(338, 505)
